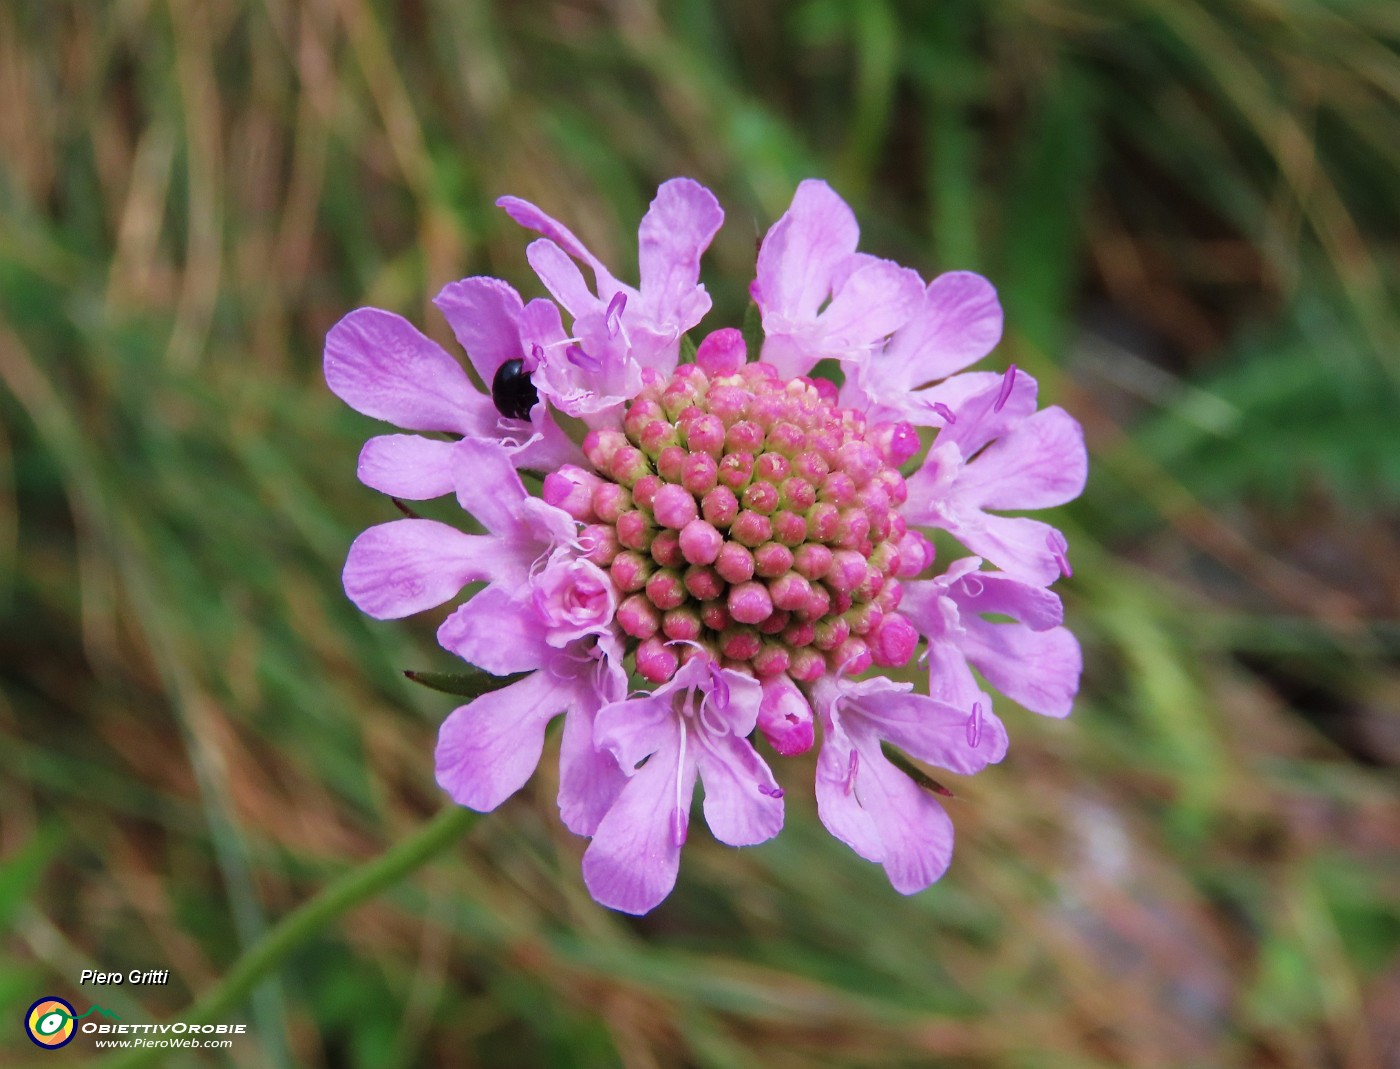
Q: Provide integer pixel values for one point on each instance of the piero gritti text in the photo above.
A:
(136, 977)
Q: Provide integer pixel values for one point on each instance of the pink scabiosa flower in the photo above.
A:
(748, 543)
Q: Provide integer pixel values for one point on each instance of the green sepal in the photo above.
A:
(753, 331)
(464, 684)
(687, 350)
(914, 772)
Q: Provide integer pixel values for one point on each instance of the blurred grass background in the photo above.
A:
(1192, 210)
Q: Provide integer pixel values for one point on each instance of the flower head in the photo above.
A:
(744, 540)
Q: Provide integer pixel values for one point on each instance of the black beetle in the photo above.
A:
(512, 391)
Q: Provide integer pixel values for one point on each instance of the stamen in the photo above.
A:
(613, 316)
(679, 817)
(974, 726)
(851, 769)
(1008, 381)
(581, 359)
(679, 822)
(947, 413)
(1059, 549)
(770, 792)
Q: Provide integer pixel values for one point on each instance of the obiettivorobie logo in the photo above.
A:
(52, 1022)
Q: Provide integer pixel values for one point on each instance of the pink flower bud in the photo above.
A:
(736, 470)
(644, 490)
(729, 403)
(630, 571)
(838, 488)
(797, 635)
(890, 596)
(744, 437)
(722, 352)
(673, 506)
(627, 465)
(772, 468)
(796, 493)
(822, 519)
(671, 462)
(638, 617)
(771, 560)
(787, 439)
(776, 623)
(639, 413)
(896, 442)
(656, 436)
(812, 560)
(599, 543)
(831, 632)
(749, 602)
(734, 563)
(634, 530)
(789, 528)
(860, 461)
(893, 642)
(571, 489)
(599, 447)
(704, 434)
(771, 660)
(785, 718)
(703, 582)
(847, 571)
(715, 616)
(681, 624)
(741, 643)
(791, 591)
(700, 542)
(666, 549)
(699, 473)
(751, 529)
(760, 497)
(656, 661)
(852, 528)
(720, 506)
(810, 465)
(851, 658)
(610, 501)
(665, 589)
(807, 665)
(915, 554)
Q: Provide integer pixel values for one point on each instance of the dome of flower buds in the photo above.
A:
(749, 516)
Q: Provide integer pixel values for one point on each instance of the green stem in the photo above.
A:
(354, 887)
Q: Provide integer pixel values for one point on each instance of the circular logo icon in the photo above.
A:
(49, 1022)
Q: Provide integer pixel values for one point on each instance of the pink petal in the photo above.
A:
(379, 364)
(530, 217)
(635, 728)
(980, 420)
(403, 567)
(497, 633)
(484, 314)
(958, 323)
(924, 727)
(802, 251)
(915, 832)
(875, 300)
(1039, 464)
(743, 803)
(1039, 669)
(562, 278)
(983, 592)
(590, 778)
(488, 487)
(677, 228)
(950, 679)
(838, 766)
(1017, 545)
(407, 466)
(631, 864)
(488, 749)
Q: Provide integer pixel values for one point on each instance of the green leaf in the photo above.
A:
(21, 872)
(464, 684)
(914, 772)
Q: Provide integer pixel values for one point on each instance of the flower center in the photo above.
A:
(751, 517)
